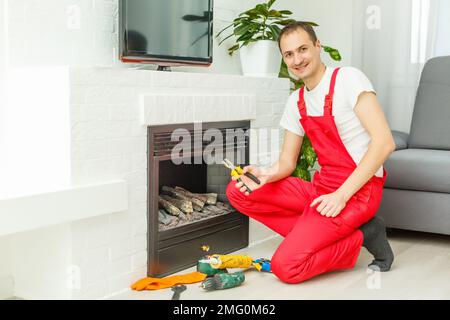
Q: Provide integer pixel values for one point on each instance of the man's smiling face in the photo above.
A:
(300, 54)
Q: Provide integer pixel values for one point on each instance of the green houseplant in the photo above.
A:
(256, 31)
(258, 23)
(263, 23)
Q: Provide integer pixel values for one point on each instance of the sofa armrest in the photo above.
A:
(400, 139)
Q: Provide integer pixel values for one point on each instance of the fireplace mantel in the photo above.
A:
(172, 108)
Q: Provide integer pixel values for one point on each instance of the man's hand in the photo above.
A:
(330, 204)
(260, 173)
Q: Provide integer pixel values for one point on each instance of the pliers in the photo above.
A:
(237, 172)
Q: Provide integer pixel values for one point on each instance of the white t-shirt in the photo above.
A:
(350, 83)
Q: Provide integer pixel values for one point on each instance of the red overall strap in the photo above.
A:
(301, 102)
(328, 104)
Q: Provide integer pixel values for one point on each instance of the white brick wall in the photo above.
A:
(77, 32)
(109, 142)
(85, 33)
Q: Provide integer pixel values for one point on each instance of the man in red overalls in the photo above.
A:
(324, 222)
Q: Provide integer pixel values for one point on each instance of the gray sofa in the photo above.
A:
(417, 190)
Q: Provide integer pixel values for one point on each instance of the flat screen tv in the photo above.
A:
(166, 32)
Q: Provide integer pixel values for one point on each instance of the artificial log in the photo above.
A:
(163, 227)
(198, 215)
(198, 196)
(209, 198)
(216, 210)
(166, 219)
(197, 204)
(183, 205)
(188, 206)
(170, 208)
(224, 205)
(207, 212)
(181, 193)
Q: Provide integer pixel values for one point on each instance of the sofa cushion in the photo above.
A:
(400, 139)
(430, 127)
(419, 169)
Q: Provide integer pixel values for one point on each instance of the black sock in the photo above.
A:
(375, 241)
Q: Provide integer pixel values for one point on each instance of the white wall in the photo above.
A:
(54, 32)
(6, 278)
(443, 33)
(37, 102)
(36, 34)
(335, 23)
(3, 62)
(46, 256)
(84, 33)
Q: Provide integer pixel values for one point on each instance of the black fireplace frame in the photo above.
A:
(176, 249)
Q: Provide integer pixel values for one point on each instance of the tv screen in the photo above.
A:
(166, 32)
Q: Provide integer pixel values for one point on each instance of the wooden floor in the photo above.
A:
(421, 271)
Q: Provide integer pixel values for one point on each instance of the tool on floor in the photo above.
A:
(177, 290)
(206, 268)
(237, 172)
(223, 281)
(262, 264)
(218, 261)
(150, 283)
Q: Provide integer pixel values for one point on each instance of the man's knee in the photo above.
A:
(288, 270)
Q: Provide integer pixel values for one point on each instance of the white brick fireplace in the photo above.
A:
(91, 241)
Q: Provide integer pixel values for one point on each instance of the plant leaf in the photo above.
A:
(274, 31)
(310, 156)
(261, 9)
(225, 39)
(277, 28)
(302, 173)
(334, 53)
(244, 37)
(283, 70)
(224, 29)
(232, 49)
(270, 3)
(285, 22)
(243, 28)
(274, 13)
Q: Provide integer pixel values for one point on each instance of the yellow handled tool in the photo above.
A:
(237, 172)
(223, 261)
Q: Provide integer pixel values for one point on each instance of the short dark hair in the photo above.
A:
(294, 26)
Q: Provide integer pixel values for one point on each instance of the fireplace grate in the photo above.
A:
(163, 143)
